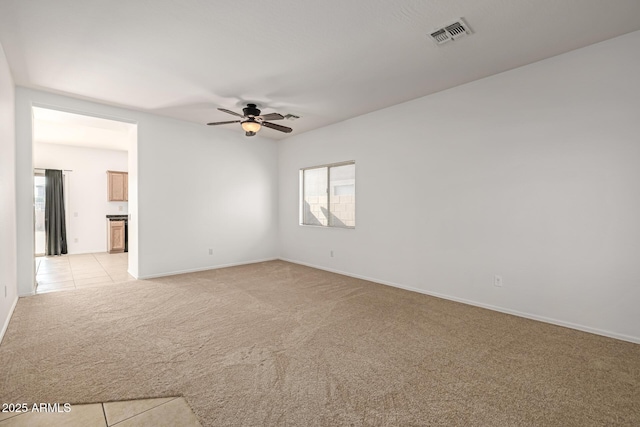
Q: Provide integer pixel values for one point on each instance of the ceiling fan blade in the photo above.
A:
(230, 112)
(222, 123)
(277, 127)
(271, 116)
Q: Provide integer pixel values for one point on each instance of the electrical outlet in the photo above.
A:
(497, 281)
(5, 291)
(75, 240)
(120, 208)
(331, 254)
(210, 251)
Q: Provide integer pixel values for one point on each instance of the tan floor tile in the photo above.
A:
(91, 260)
(119, 255)
(119, 273)
(78, 416)
(173, 413)
(114, 257)
(56, 286)
(111, 265)
(81, 257)
(116, 264)
(44, 266)
(87, 264)
(67, 272)
(51, 270)
(52, 261)
(89, 274)
(93, 281)
(50, 265)
(115, 268)
(53, 277)
(120, 411)
(53, 265)
(62, 258)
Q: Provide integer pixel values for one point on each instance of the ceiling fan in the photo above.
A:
(252, 121)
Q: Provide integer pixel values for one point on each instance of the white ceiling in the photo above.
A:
(61, 127)
(325, 61)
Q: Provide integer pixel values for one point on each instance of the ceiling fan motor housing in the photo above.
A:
(251, 110)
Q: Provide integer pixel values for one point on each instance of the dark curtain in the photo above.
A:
(54, 224)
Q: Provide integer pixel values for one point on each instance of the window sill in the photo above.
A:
(327, 227)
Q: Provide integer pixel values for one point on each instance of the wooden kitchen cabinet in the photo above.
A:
(116, 237)
(118, 186)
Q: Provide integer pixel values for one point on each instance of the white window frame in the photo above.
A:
(301, 201)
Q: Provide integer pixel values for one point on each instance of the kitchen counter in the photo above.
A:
(124, 217)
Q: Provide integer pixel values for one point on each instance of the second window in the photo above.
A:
(328, 195)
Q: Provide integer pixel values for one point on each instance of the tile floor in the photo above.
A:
(66, 272)
(169, 411)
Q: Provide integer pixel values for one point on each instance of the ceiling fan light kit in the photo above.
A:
(252, 121)
(251, 125)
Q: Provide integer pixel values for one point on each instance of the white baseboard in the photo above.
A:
(8, 319)
(214, 267)
(544, 319)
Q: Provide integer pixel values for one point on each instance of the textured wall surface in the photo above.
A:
(531, 174)
(8, 279)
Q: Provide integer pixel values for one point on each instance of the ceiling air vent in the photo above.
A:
(450, 32)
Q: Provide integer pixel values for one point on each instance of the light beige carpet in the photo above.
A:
(281, 344)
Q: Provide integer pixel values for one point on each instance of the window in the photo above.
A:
(328, 195)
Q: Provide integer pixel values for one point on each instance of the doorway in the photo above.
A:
(89, 146)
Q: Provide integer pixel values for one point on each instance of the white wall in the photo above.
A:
(204, 188)
(85, 191)
(8, 280)
(532, 174)
(192, 188)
